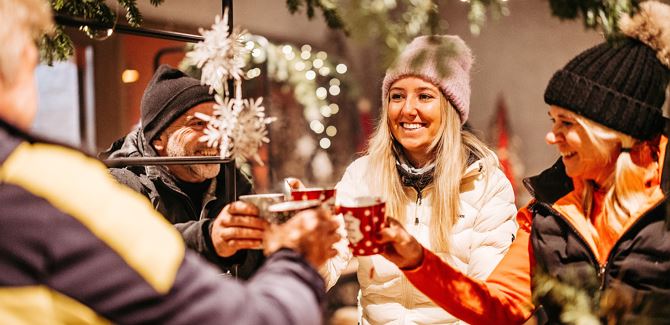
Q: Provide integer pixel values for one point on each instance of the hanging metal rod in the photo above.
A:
(156, 33)
(145, 161)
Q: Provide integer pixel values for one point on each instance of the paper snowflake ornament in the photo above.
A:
(220, 56)
(237, 126)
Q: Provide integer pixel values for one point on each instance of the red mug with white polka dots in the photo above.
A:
(363, 219)
(312, 193)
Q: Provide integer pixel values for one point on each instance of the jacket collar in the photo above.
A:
(551, 184)
(10, 138)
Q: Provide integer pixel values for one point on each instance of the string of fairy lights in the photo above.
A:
(315, 80)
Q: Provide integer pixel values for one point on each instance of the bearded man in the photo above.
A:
(192, 197)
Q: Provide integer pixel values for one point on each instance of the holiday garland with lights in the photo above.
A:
(393, 22)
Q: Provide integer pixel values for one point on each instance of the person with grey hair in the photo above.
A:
(76, 247)
(194, 197)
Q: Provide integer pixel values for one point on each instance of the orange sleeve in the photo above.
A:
(504, 298)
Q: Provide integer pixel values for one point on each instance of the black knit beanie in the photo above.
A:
(169, 94)
(621, 86)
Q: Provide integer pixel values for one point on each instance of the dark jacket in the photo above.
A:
(76, 248)
(636, 275)
(157, 184)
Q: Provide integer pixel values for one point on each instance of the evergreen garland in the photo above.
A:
(58, 46)
(327, 7)
(595, 14)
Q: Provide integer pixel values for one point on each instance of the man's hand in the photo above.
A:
(399, 246)
(311, 233)
(237, 227)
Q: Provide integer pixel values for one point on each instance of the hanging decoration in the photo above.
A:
(314, 78)
(237, 126)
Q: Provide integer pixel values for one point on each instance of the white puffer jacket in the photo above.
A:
(479, 239)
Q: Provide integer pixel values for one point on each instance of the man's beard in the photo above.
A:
(176, 148)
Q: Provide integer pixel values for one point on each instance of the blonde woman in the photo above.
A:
(598, 248)
(440, 181)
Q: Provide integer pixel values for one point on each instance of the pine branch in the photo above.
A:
(133, 15)
(59, 47)
(327, 7)
(601, 15)
(55, 47)
(293, 5)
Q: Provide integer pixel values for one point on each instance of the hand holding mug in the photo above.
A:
(237, 227)
(311, 233)
(400, 247)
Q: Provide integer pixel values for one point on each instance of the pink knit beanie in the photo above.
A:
(443, 60)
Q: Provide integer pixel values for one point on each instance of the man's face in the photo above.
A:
(18, 100)
(181, 139)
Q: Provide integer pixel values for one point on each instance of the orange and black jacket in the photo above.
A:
(77, 247)
(551, 244)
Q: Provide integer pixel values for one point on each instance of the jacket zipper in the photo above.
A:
(601, 268)
(419, 198)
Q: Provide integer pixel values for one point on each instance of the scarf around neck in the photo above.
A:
(417, 178)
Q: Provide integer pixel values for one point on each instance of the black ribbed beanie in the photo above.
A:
(621, 86)
(169, 94)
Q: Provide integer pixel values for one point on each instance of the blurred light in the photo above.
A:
(290, 56)
(299, 66)
(256, 53)
(249, 45)
(325, 111)
(310, 75)
(287, 49)
(316, 126)
(321, 93)
(318, 63)
(334, 108)
(129, 76)
(321, 55)
(312, 113)
(253, 73)
(305, 55)
(331, 131)
(324, 71)
(334, 82)
(341, 68)
(324, 143)
(334, 90)
(306, 48)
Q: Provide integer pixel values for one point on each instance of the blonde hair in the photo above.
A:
(625, 186)
(21, 21)
(451, 149)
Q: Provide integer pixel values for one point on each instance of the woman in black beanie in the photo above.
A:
(593, 243)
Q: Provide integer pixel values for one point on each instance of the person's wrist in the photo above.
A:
(414, 262)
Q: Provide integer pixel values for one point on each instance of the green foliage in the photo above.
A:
(58, 46)
(55, 47)
(327, 7)
(575, 298)
(595, 14)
